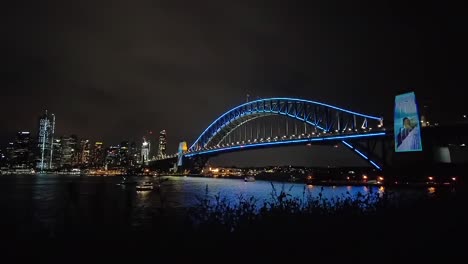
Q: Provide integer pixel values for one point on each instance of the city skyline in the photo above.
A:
(44, 150)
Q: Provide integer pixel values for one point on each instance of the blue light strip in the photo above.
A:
(294, 141)
(362, 155)
(375, 165)
(284, 99)
(347, 144)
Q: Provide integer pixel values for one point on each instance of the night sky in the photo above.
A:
(113, 70)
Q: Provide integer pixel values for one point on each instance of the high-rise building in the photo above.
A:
(124, 153)
(85, 152)
(70, 152)
(113, 156)
(145, 150)
(133, 154)
(45, 141)
(9, 152)
(97, 155)
(57, 150)
(162, 145)
(21, 156)
(3, 159)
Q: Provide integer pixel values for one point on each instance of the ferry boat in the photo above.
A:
(249, 179)
(145, 186)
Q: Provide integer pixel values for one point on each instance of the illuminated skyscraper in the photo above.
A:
(133, 154)
(145, 150)
(162, 145)
(10, 148)
(85, 152)
(113, 157)
(70, 153)
(57, 158)
(45, 141)
(21, 154)
(97, 155)
(124, 154)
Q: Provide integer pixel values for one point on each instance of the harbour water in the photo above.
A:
(34, 202)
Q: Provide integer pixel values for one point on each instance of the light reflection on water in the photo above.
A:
(48, 197)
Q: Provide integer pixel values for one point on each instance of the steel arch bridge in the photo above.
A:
(295, 121)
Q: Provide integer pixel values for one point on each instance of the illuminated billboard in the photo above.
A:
(407, 128)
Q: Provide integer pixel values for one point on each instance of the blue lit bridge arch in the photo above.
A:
(286, 121)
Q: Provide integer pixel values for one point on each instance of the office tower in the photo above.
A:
(97, 155)
(69, 151)
(45, 141)
(113, 156)
(145, 150)
(3, 159)
(162, 145)
(134, 154)
(85, 152)
(57, 150)
(9, 152)
(21, 155)
(124, 154)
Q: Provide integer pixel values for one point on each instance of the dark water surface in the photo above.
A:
(34, 203)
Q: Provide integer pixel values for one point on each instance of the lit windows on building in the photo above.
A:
(145, 150)
(162, 145)
(21, 155)
(85, 152)
(45, 141)
(70, 153)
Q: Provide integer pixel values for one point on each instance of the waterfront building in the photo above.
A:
(45, 141)
(134, 155)
(97, 155)
(85, 152)
(162, 145)
(21, 154)
(145, 150)
(113, 157)
(70, 151)
(124, 154)
(57, 150)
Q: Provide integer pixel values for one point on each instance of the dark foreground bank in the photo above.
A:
(371, 228)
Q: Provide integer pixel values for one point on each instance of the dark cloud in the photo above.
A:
(114, 69)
